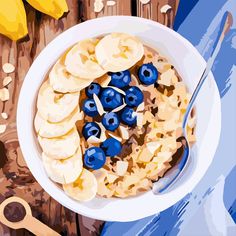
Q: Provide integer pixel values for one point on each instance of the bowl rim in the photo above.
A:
(24, 144)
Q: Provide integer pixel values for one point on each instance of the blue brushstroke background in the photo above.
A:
(211, 208)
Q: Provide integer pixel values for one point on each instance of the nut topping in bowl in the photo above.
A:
(108, 117)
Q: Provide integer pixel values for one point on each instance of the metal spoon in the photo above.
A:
(183, 153)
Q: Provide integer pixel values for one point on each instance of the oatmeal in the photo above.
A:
(109, 117)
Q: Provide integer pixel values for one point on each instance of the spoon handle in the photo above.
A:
(225, 25)
(38, 228)
(163, 183)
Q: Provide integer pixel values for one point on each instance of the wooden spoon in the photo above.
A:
(28, 222)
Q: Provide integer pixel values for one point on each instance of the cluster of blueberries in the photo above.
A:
(95, 157)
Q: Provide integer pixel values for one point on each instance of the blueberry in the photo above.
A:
(93, 88)
(90, 108)
(120, 79)
(111, 121)
(111, 147)
(134, 96)
(128, 116)
(148, 74)
(91, 129)
(110, 99)
(94, 158)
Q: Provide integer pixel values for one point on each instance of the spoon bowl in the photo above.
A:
(15, 225)
(28, 221)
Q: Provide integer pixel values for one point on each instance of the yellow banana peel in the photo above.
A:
(54, 8)
(13, 22)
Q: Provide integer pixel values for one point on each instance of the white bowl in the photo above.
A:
(188, 63)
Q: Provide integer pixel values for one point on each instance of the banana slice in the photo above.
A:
(64, 171)
(55, 107)
(62, 81)
(61, 147)
(81, 60)
(84, 188)
(52, 130)
(118, 51)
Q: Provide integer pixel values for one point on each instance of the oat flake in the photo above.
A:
(2, 128)
(165, 8)
(144, 1)
(4, 115)
(4, 94)
(8, 68)
(111, 3)
(7, 80)
(98, 5)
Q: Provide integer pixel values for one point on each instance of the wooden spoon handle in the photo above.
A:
(37, 227)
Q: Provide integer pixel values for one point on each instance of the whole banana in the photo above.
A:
(54, 8)
(13, 22)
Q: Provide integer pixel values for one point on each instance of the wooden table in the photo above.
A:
(15, 177)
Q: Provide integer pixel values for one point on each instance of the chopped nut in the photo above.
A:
(171, 125)
(145, 1)
(2, 128)
(162, 168)
(152, 170)
(115, 137)
(93, 139)
(140, 107)
(169, 142)
(124, 132)
(174, 79)
(166, 77)
(172, 100)
(4, 115)
(8, 68)
(162, 66)
(117, 89)
(153, 146)
(148, 116)
(111, 3)
(191, 122)
(165, 8)
(180, 90)
(98, 105)
(102, 138)
(165, 112)
(4, 94)
(98, 5)
(120, 107)
(163, 157)
(7, 80)
(121, 167)
(145, 155)
(130, 179)
(111, 178)
(139, 119)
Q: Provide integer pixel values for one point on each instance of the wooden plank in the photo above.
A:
(15, 177)
(121, 7)
(152, 10)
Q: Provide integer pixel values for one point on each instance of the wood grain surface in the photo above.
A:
(15, 177)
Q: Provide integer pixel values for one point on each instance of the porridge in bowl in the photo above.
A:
(109, 116)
